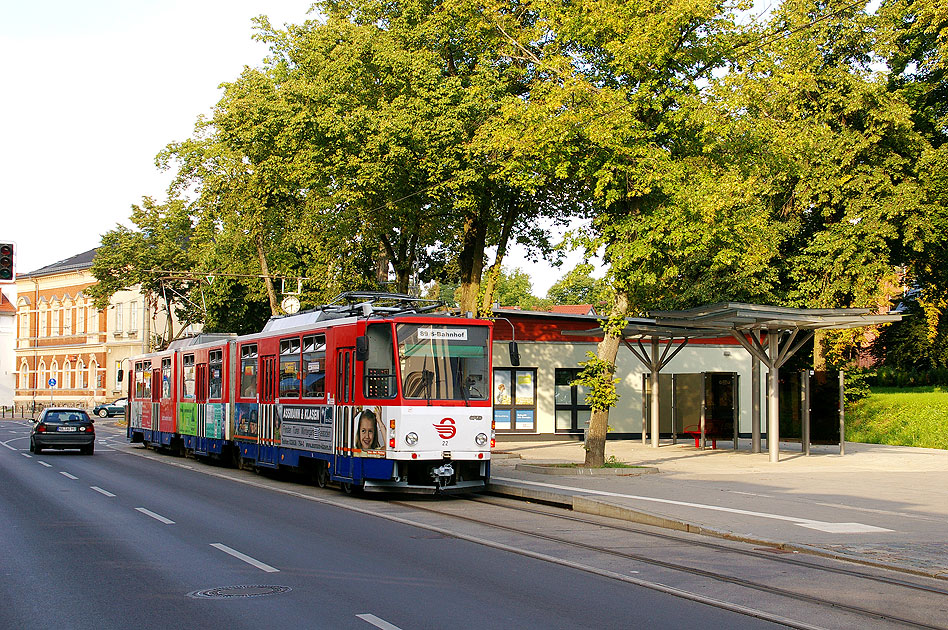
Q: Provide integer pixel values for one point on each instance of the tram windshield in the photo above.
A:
(443, 362)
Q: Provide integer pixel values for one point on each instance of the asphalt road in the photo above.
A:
(117, 541)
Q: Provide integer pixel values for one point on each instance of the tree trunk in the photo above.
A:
(265, 271)
(472, 259)
(599, 421)
(493, 273)
(819, 351)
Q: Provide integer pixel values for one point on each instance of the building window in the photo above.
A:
(118, 370)
(119, 309)
(67, 320)
(42, 375)
(572, 412)
(83, 374)
(67, 375)
(55, 331)
(133, 316)
(515, 400)
(42, 328)
(24, 376)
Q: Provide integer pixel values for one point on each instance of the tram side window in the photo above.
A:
(139, 380)
(314, 366)
(187, 376)
(248, 371)
(146, 381)
(380, 364)
(290, 368)
(215, 381)
(165, 379)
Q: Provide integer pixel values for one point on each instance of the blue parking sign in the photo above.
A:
(52, 382)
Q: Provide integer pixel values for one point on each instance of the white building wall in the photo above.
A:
(626, 416)
(8, 349)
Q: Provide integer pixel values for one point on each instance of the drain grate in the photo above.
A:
(232, 592)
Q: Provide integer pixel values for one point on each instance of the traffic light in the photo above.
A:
(6, 262)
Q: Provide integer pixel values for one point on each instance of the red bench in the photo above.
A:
(694, 430)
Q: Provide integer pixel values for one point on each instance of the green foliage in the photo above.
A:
(886, 376)
(597, 377)
(579, 287)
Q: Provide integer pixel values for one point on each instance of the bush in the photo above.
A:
(892, 377)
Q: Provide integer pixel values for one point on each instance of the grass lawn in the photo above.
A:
(908, 416)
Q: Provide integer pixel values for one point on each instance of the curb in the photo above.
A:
(598, 507)
(580, 471)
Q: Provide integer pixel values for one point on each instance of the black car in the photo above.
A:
(62, 427)
(114, 408)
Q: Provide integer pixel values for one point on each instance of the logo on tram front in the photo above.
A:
(446, 429)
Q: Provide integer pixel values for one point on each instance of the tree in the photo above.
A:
(579, 287)
(150, 256)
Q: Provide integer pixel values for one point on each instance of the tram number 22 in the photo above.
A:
(444, 442)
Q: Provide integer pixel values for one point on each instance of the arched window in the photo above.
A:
(94, 374)
(83, 374)
(24, 382)
(68, 307)
(42, 375)
(57, 313)
(67, 375)
(54, 373)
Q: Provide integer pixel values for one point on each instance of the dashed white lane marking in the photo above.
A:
(42, 463)
(241, 556)
(27, 455)
(67, 475)
(838, 528)
(101, 491)
(157, 517)
(378, 623)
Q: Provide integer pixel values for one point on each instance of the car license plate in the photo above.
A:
(66, 428)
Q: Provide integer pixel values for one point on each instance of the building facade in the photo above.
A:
(67, 351)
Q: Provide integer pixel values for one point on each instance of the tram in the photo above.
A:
(373, 391)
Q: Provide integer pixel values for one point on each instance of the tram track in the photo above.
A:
(857, 584)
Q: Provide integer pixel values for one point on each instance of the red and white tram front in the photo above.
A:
(426, 389)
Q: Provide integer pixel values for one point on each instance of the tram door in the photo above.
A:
(342, 415)
(200, 397)
(155, 397)
(269, 422)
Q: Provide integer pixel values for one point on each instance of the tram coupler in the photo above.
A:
(442, 474)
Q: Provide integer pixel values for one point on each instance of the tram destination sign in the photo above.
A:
(438, 334)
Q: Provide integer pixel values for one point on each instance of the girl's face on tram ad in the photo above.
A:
(366, 431)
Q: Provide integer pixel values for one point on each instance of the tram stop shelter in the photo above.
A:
(770, 334)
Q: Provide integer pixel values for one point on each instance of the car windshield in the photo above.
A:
(65, 416)
(443, 362)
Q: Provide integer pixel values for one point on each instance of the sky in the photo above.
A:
(94, 90)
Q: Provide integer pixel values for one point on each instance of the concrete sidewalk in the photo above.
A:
(880, 505)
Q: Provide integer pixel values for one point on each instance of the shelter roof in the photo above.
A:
(740, 316)
(721, 319)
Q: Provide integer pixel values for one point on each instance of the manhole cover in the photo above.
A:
(230, 592)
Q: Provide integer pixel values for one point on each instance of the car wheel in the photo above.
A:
(88, 450)
(37, 449)
(32, 447)
(103, 413)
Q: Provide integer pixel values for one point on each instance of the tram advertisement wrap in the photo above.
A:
(187, 418)
(307, 428)
(366, 432)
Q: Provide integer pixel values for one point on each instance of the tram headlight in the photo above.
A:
(411, 439)
(481, 439)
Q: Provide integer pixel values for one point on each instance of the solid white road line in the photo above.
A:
(65, 474)
(378, 623)
(240, 556)
(101, 491)
(805, 522)
(157, 517)
(12, 448)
